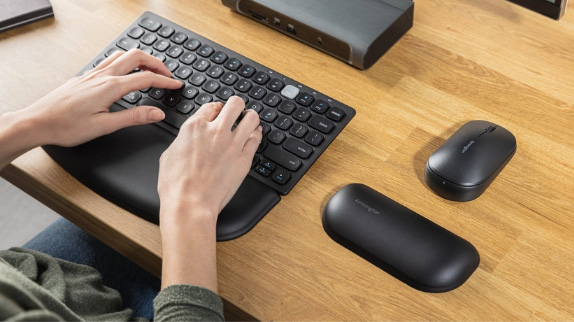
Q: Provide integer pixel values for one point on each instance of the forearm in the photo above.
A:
(17, 136)
(189, 247)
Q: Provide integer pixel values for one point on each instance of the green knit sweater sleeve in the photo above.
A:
(187, 303)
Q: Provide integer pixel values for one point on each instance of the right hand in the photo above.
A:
(207, 162)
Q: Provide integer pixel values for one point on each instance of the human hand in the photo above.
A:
(205, 165)
(78, 111)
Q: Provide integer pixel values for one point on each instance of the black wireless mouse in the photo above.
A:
(403, 243)
(464, 166)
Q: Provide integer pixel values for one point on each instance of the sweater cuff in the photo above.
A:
(187, 302)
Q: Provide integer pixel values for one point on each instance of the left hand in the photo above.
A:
(78, 111)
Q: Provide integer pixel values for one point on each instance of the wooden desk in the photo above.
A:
(462, 60)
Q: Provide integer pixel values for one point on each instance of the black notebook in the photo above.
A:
(15, 13)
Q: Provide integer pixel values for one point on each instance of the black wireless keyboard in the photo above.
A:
(298, 124)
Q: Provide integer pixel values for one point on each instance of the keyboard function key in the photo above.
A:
(201, 64)
(305, 99)
(229, 78)
(247, 71)
(320, 106)
(150, 24)
(215, 71)
(290, 91)
(205, 50)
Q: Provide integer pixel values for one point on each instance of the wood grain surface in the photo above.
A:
(462, 60)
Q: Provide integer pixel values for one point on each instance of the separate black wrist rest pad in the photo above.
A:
(123, 167)
(406, 245)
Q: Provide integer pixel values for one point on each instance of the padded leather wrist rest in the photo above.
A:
(123, 167)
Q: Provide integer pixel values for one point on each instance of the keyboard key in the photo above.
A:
(149, 39)
(268, 164)
(335, 114)
(166, 31)
(171, 99)
(205, 51)
(127, 43)
(211, 86)
(243, 85)
(219, 57)
(268, 115)
(290, 91)
(188, 58)
(261, 78)
(287, 107)
(247, 71)
(197, 79)
(275, 85)
(276, 136)
(257, 92)
(147, 50)
(179, 37)
(272, 99)
(201, 64)
(203, 98)
(192, 44)
(150, 24)
(281, 176)
(314, 138)
(305, 99)
(174, 51)
(161, 45)
(225, 93)
(302, 114)
(185, 107)
(215, 71)
(299, 130)
(229, 78)
(189, 92)
(136, 33)
(171, 65)
(281, 157)
(322, 124)
(132, 97)
(283, 122)
(157, 93)
(183, 72)
(110, 51)
(262, 170)
(256, 106)
(233, 63)
(320, 106)
(298, 148)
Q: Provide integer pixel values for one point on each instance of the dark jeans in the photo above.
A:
(67, 241)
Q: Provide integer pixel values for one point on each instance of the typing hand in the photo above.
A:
(78, 111)
(198, 175)
(207, 162)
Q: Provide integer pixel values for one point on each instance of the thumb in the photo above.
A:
(133, 116)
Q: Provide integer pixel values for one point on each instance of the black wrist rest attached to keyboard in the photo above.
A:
(127, 173)
(299, 123)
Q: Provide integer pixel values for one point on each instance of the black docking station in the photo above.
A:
(358, 32)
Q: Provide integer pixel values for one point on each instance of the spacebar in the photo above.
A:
(171, 117)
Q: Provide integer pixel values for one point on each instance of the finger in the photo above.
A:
(247, 125)
(109, 60)
(209, 111)
(145, 79)
(231, 111)
(253, 141)
(111, 122)
(136, 58)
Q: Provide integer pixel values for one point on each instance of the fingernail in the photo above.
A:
(156, 115)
